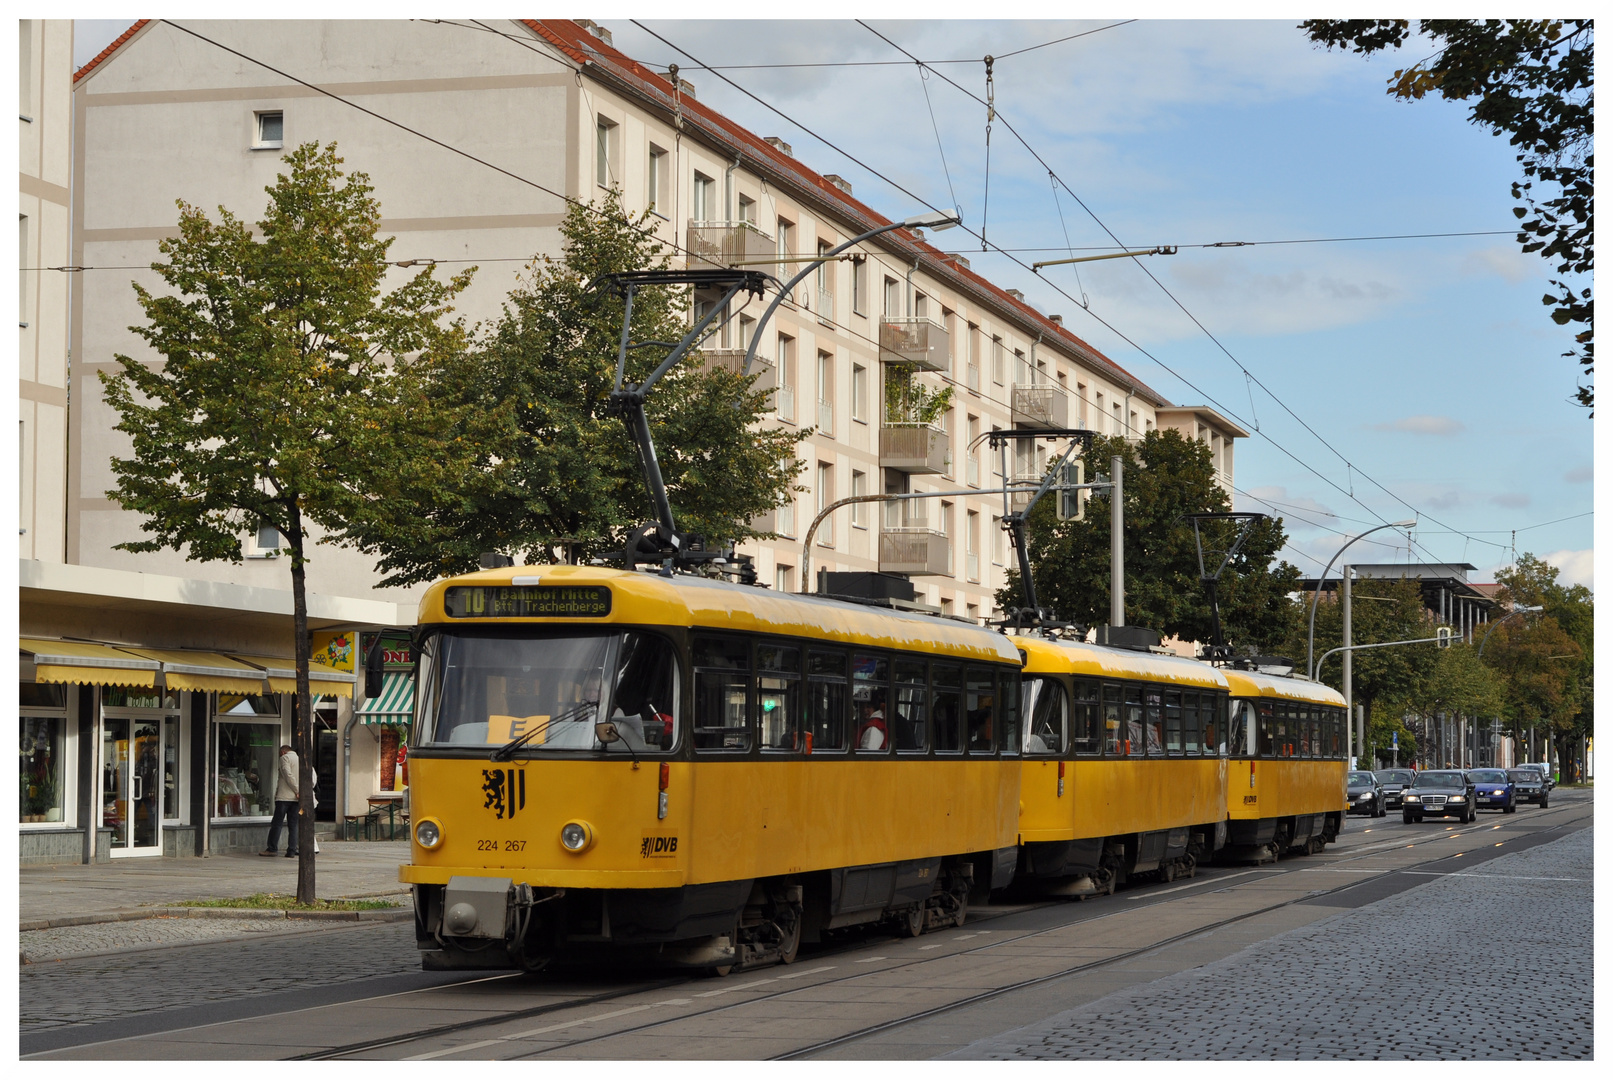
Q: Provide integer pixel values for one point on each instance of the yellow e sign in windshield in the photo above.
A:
(527, 601)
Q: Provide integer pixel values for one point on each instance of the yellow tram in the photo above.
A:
(1285, 787)
(1124, 768)
(697, 772)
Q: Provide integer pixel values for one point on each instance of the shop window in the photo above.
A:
(124, 697)
(248, 756)
(41, 695)
(41, 771)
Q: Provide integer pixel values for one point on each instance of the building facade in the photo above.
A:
(203, 114)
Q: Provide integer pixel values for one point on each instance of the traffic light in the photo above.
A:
(1071, 506)
(1442, 638)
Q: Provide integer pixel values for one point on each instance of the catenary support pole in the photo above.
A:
(1349, 683)
(1117, 542)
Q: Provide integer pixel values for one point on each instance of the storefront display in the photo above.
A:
(40, 768)
(248, 752)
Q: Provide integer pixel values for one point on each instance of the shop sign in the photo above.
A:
(334, 649)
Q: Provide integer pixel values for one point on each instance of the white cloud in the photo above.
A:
(1578, 567)
(1582, 474)
(1508, 263)
(1512, 500)
(1422, 425)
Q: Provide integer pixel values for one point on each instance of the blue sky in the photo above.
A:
(1430, 365)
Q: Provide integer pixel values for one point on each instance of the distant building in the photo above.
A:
(1450, 599)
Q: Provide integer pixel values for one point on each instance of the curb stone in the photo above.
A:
(397, 914)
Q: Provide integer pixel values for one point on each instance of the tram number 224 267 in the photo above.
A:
(501, 845)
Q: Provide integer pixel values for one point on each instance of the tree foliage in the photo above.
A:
(1166, 476)
(293, 388)
(1545, 660)
(1531, 80)
(557, 474)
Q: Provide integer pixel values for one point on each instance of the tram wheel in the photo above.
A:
(963, 910)
(912, 924)
(1167, 872)
(791, 942)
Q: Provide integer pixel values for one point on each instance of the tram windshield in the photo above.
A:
(489, 689)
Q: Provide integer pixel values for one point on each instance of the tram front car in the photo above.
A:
(695, 773)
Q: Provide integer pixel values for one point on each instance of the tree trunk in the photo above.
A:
(302, 738)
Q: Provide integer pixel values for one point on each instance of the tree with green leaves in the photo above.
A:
(558, 476)
(1546, 660)
(1166, 477)
(1385, 681)
(1531, 80)
(292, 392)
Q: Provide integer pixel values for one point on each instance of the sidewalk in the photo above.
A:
(77, 895)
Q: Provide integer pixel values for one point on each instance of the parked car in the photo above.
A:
(1545, 771)
(1439, 793)
(1493, 790)
(1365, 794)
(1529, 785)
(1394, 783)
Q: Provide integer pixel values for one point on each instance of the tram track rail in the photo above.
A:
(1293, 865)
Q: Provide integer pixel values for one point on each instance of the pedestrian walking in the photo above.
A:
(286, 797)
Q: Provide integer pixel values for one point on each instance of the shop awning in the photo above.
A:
(185, 670)
(322, 681)
(396, 703)
(82, 662)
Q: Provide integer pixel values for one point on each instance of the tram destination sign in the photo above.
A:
(527, 601)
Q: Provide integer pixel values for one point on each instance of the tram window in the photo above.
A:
(978, 707)
(1266, 730)
(721, 652)
(1047, 710)
(828, 699)
(1114, 737)
(778, 696)
(1191, 727)
(1008, 711)
(870, 696)
(1173, 721)
(721, 711)
(1335, 720)
(909, 724)
(946, 706)
(1135, 743)
(644, 703)
(494, 688)
(1313, 728)
(1086, 728)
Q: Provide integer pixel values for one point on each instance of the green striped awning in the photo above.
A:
(396, 703)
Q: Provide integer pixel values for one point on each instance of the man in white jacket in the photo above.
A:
(286, 797)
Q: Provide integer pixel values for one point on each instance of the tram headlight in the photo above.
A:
(428, 833)
(576, 836)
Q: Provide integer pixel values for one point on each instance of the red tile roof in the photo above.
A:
(585, 49)
(110, 49)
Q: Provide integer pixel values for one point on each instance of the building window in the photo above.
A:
(1081, 404)
(786, 377)
(23, 260)
(268, 130)
(785, 237)
(971, 541)
(825, 281)
(973, 356)
(44, 748)
(1118, 424)
(859, 286)
(249, 735)
(996, 540)
(859, 393)
(705, 190)
(826, 404)
(656, 182)
(747, 210)
(826, 528)
(605, 152)
(997, 360)
(921, 306)
(781, 577)
(859, 511)
(893, 298)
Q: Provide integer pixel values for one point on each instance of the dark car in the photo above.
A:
(1439, 793)
(1394, 783)
(1529, 786)
(1365, 794)
(1545, 772)
(1493, 790)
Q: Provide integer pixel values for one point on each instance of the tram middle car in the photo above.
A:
(691, 772)
(1124, 770)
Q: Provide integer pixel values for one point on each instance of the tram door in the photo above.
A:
(132, 784)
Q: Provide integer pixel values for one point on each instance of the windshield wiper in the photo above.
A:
(507, 751)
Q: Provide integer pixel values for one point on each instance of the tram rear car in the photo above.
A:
(1285, 788)
(694, 772)
(1123, 769)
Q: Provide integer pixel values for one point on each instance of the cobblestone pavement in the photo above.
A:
(1340, 988)
(39, 946)
(105, 988)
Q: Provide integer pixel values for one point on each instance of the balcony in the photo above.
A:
(919, 342)
(826, 307)
(784, 400)
(971, 471)
(781, 521)
(971, 563)
(723, 243)
(826, 418)
(1040, 405)
(734, 360)
(914, 448)
(914, 551)
(974, 378)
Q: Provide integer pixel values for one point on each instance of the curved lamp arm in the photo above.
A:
(1310, 639)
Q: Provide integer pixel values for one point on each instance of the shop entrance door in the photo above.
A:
(132, 784)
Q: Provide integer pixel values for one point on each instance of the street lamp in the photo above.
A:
(1310, 641)
(936, 219)
(1516, 611)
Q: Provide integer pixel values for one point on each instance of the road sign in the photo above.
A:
(1396, 739)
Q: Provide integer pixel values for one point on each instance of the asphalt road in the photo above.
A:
(1121, 976)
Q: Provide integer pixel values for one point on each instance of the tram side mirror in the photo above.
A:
(606, 732)
(373, 669)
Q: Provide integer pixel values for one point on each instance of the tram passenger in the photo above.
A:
(871, 731)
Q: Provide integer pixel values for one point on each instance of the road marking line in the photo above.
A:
(871, 959)
(927, 948)
(445, 1051)
(804, 974)
(1193, 885)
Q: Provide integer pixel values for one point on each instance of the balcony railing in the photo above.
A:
(974, 377)
(784, 398)
(723, 243)
(919, 342)
(826, 306)
(971, 472)
(914, 448)
(1040, 405)
(971, 565)
(914, 551)
(826, 417)
(734, 360)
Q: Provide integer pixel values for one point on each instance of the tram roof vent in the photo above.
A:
(1127, 637)
(865, 585)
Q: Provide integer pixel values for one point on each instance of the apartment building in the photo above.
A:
(549, 112)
